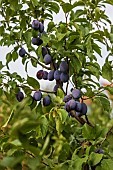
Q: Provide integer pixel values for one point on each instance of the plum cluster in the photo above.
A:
(59, 73)
(37, 96)
(72, 103)
(46, 99)
(38, 26)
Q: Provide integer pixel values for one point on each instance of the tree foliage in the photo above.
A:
(37, 132)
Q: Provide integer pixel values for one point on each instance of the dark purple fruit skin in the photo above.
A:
(36, 41)
(78, 114)
(56, 88)
(67, 98)
(56, 66)
(22, 52)
(46, 101)
(35, 24)
(51, 75)
(37, 95)
(41, 27)
(76, 93)
(99, 150)
(47, 59)
(57, 75)
(84, 109)
(72, 104)
(39, 74)
(45, 75)
(78, 106)
(44, 51)
(67, 107)
(19, 96)
(63, 66)
(64, 77)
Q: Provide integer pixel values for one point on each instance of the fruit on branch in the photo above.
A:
(78, 107)
(45, 75)
(67, 98)
(84, 109)
(56, 88)
(99, 150)
(64, 77)
(41, 27)
(44, 51)
(39, 74)
(76, 93)
(56, 66)
(37, 95)
(57, 75)
(22, 52)
(46, 101)
(64, 67)
(36, 41)
(20, 96)
(51, 75)
(72, 104)
(67, 107)
(47, 59)
(35, 24)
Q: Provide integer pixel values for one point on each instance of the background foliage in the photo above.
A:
(36, 137)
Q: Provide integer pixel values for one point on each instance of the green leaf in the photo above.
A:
(10, 162)
(60, 36)
(67, 7)
(76, 162)
(34, 2)
(33, 82)
(103, 102)
(95, 158)
(44, 125)
(1, 65)
(60, 93)
(14, 55)
(28, 35)
(50, 26)
(107, 71)
(107, 164)
(54, 7)
(14, 4)
(63, 115)
(109, 88)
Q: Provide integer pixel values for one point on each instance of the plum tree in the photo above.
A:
(53, 127)
(22, 52)
(57, 75)
(35, 24)
(20, 96)
(47, 59)
(40, 74)
(36, 41)
(64, 77)
(76, 93)
(46, 101)
(51, 75)
(41, 27)
(64, 67)
(37, 95)
(45, 75)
